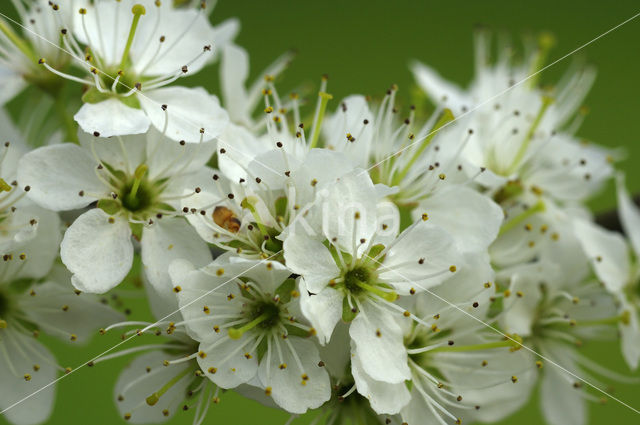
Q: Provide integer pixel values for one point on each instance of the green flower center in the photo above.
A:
(355, 278)
(137, 197)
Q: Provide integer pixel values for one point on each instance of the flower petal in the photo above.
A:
(84, 314)
(166, 240)
(111, 117)
(303, 384)
(188, 110)
(18, 362)
(629, 216)
(98, 252)
(562, 404)
(309, 258)
(422, 257)
(379, 345)
(144, 376)
(56, 174)
(229, 362)
(323, 310)
(385, 398)
(608, 253)
(471, 218)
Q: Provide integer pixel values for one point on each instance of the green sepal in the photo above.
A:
(347, 314)
(373, 253)
(336, 256)
(262, 349)
(94, 96)
(110, 206)
(512, 189)
(496, 307)
(295, 331)
(118, 174)
(136, 230)
(285, 289)
(281, 206)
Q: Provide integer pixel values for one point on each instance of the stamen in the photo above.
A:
(445, 118)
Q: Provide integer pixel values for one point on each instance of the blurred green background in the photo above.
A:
(365, 46)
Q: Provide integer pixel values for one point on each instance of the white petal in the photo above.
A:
(385, 398)
(166, 240)
(84, 316)
(608, 253)
(629, 216)
(471, 218)
(350, 118)
(111, 117)
(289, 389)
(11, 83)
(562, 404)
(57, 174)
(166, 157)
(136, 383)
(422, 258)
(520, 313)
(349, 211)
(323, 310)
(188, 111)
(39, 241)
(200, 289)
(241, 147)
(234, 70)
(125, 153)
(226, 364)
(186, 32)
(440, 91)
(97, 252)
(379, 345)
(16, 362)
(311, 259)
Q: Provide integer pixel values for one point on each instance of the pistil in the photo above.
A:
(138, 10)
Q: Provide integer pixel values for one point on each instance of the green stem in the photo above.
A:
(445, 118)
(138, 10)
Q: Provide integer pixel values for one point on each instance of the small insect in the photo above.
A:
(226, 219)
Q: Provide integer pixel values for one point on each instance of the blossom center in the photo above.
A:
(261, 315)
(355, 278)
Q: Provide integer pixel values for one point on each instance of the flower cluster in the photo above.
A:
(359, 258)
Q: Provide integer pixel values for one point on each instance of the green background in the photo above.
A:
(365, 46)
